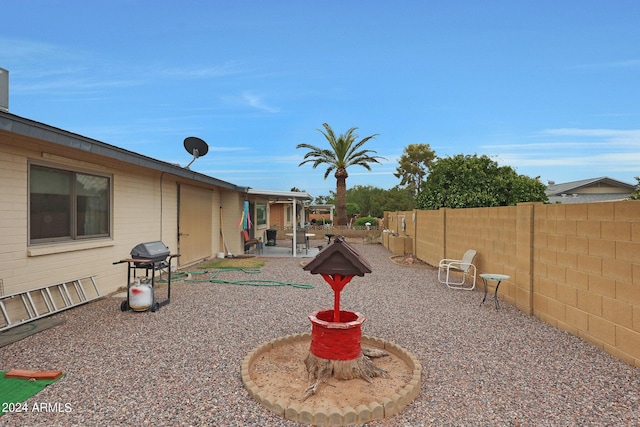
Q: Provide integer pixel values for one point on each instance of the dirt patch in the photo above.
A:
(281, 372)
(410, 261)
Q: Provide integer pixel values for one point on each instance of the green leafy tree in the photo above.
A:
(465, 181)
(321, 200)
(297, 190)
(397, 199)
(415, 163)
(344, 152)
(374, 200)
(328, 200)
(636, 194)
(352, 209)
(367, 197)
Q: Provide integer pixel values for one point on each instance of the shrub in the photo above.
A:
(361, 222)
(323, 221)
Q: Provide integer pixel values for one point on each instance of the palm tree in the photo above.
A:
(344, 152)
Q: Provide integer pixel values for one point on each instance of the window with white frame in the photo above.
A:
(67, 205)
(261, 214)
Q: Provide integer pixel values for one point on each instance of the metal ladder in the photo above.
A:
(45, 301)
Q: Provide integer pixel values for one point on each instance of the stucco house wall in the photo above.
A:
(144, 207)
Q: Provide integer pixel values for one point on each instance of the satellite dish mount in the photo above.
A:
(196, 147)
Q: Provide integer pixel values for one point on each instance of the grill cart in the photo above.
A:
(150, 257)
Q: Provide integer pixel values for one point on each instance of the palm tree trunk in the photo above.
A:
(341, 196)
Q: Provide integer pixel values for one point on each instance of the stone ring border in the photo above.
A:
(302, 413)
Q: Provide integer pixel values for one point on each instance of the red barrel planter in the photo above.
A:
(336, 340)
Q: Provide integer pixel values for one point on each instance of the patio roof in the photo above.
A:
(291, 196)
(280, 195)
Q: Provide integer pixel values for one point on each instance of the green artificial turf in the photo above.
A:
(16, 390)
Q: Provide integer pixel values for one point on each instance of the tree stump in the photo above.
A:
(336, 351)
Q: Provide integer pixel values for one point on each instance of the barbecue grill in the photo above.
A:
(153, 251)
(151, 257)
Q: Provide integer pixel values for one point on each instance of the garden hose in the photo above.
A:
(214, 279)
(175, 276)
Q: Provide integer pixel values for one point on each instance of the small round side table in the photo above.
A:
(490, 277)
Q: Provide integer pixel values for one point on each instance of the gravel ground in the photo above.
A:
(180, 365)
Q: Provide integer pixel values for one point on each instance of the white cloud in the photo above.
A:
(27, 51)
(581, 140)
(557, 161)
(252, 100)
(366, 172)
(257, 101)
(572, 153)
(606, 133)
(227, 149)
(215, 71)
(74, 84)
(542, 145)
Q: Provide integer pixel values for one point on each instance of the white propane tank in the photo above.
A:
(140, 296)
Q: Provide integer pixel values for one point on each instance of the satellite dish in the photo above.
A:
(196, 147)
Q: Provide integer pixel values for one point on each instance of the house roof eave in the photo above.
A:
(22, 126)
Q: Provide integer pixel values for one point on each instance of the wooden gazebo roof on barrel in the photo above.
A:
(339, 258)
(337, 264)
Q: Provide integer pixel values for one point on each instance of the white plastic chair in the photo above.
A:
(463, 267)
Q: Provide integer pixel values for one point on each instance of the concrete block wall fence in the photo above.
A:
(574, 266)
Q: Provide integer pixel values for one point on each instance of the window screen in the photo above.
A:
(67, 205)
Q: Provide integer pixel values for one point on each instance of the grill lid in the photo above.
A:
(155, 251)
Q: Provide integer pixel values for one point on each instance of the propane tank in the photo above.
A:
(140, 296)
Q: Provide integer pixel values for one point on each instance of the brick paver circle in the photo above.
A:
(378, 409)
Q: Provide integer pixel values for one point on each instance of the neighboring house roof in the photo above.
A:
(22, 126)
(589, 190)
(322, 207)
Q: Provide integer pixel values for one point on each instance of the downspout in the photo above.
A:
(295, 227)
(303, 217)
(161, 176)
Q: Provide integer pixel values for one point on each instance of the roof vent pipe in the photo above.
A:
(4, 90)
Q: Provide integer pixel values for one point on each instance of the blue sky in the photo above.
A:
(550, 88)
